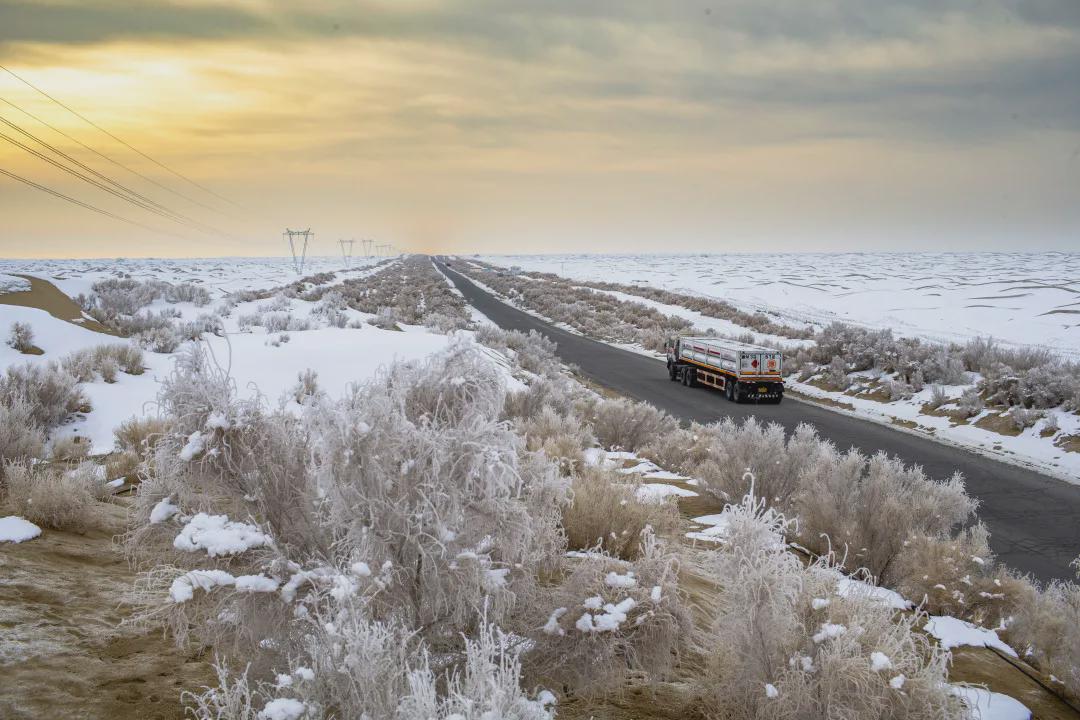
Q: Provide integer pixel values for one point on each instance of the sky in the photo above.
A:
(543, 125)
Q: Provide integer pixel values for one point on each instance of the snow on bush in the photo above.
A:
(52, 497)
(835, 659)
(51, 392)
(21, 437)
(606, 514)
(626, 425)
(1045, 627)
(22, 337)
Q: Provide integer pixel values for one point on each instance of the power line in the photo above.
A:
(140, 199)
(84, 178)
(117, 139)
(115, 162)
(88, 206)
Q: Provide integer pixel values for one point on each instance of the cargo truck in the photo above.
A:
(744, 372)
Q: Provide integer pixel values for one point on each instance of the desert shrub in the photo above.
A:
(610, 620)
(737, 454)
(80, 365)
(51, 497)
(139, 435)
(868, 509)
(70, 448)
(957, 576)
(50, 391)
(188, 292)
(627, 425)
(970, 403)
(561, 437)
(938, 397)
(1045, 627)
(838, 375)
(1050, 423)
(385, 319)
(22, 337)
(1023, 418)
(604, 513)
(109, 369)
(123, 465)
(444, 324)
(164, 339)
(898, 390)
(784, 644)
(307, 385)
(21, 437)
(944, 367)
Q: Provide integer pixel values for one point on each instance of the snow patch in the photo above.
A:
(14, 529)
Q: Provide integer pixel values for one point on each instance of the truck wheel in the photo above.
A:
(673, 372)
(691, 377)
(728, 385)
(736, 394)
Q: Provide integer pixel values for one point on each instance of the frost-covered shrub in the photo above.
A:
(605, 513)
(51, 392)
(22, 337)
(51, 497)
(80, 365)
(188, 292)
(20, 436)
(838, 374)
(1045, 626)
(938, 397)
(1023, 418)
(970, 403)
(626, 425)
(898, 390)
(868, 509)
(139, 435)
(385, 319)
(307, 385)
(944, 367)
(561, 437)
(165, 339)
(785, 644)
(1050, 423)
(609, 620)
(70, 448)
(729, 456)
(444, 324)
(957, 577)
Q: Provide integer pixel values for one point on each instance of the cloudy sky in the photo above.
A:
(546, 126)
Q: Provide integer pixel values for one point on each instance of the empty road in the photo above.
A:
(1034, 520)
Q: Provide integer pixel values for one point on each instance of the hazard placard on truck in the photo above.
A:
(744, 372)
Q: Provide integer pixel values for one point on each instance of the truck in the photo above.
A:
(744, 372)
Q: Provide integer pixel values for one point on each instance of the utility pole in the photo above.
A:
(346, 256)
(298, 245)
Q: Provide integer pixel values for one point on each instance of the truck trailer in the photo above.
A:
(745, 372)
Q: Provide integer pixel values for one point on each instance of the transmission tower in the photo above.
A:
(298, 245)
(347, 255)
(367, 243)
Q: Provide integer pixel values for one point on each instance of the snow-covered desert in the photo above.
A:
(232, 491)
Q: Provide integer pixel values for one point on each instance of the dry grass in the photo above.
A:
(140, 435)
(604, 513)
(51, 497)
(70, 449)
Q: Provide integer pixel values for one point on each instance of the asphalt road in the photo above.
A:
(1034, 520)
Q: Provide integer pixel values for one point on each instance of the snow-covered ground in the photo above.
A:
(218, 275)
(258, 361)
(1017, 298)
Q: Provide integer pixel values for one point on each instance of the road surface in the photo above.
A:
(1034, 520)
